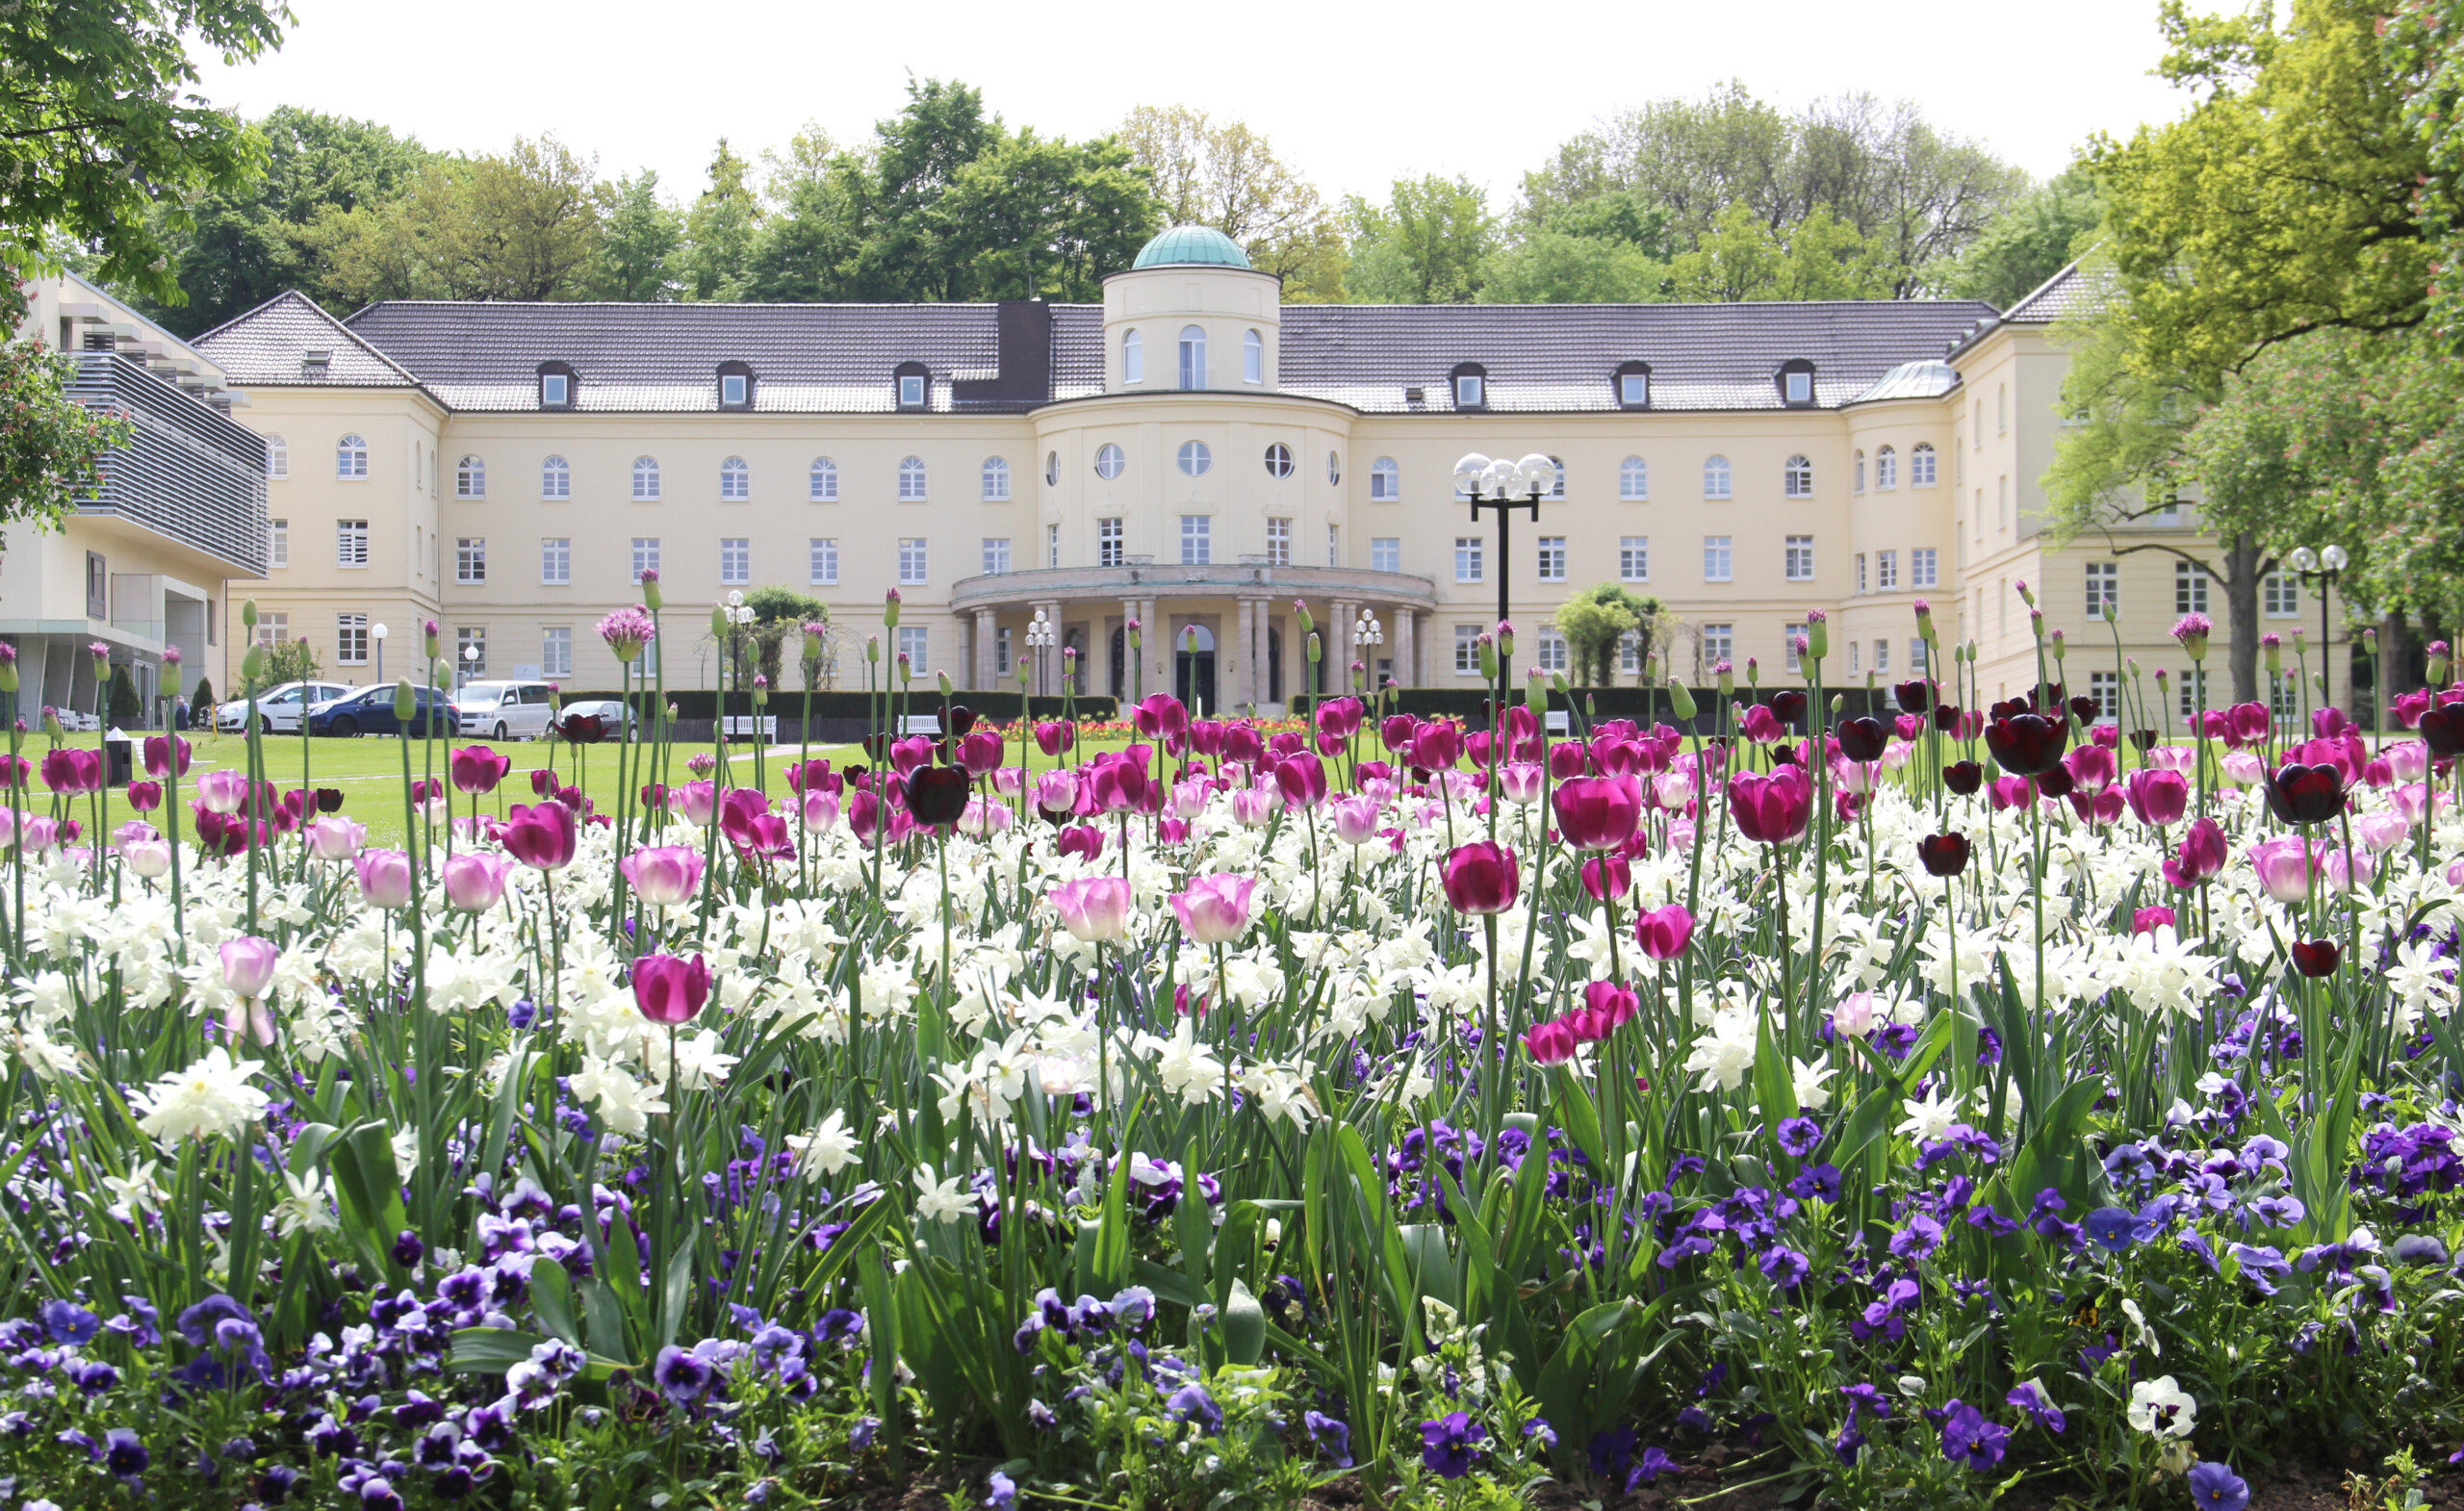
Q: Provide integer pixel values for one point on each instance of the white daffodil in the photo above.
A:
(939, 1200)
(826, 1150)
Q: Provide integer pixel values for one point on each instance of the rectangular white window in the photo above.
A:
(2192, 681)
(1633, 389)
(645, 555)
(1882, 657)
(1466, 650)
(272, 629)
(350, 543)
(1800, 558)
(555, 652)
(2281, 593)
(1794, 634)
(1001, 663)
(555, 559)
(1800, 388)
(350, 639)
(470, 559)
(1634, 559)
(1467, 392)
(1920, 660)
(2002, 500)
(1855, 657)
(1629, 653)
(912, 562)
(2190, 588)
(732, 389)
(824, 568)
(1886, 570)
(735, 560)
(2104, 588)
(1334, 545)
(1386, 554)
(1553, 558)
(1717, 566)
(912, 645)
(910, 389)
(1861, 571)
(1923, 568)
(1052, 545)
(2106, 688)
(996, 553)
(1554, 654)
(1197, 538)
(1278, 543)
(277, 543)
(1467, 559)
(1109, 548)
(1719, 644)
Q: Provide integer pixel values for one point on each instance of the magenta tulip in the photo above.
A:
(2157, 797)
(1597, 812)
(158, 754)
(1664, 932)
(1302, 781)
(2200, 857)
(1549, 1043)
(477, 769)
(542, 835)
(1482, 877)
(669, 990)
(1772, 809)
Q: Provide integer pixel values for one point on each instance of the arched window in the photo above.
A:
(1334, 470)
(824, 486)
(1634, 481)
(470, 478)
(1557, 489)
(1715, 478)
(1052, 469)
(645, 478)
(556, 478)
(997, 479)
(1192, 356)
(1133, 358)
(1385, 480)
(350, 458)
(1280, 460)
(736, 480)
(1920, 466)
(277, 459)
(1857, 473)
(1195, 458)
(1254, 358)
(911, 478)
(1796, 477)
(1108, 461)
(1885, 470)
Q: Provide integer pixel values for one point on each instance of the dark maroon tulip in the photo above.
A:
(2027, 744)
(329, 800)
(1946, 717)
(1963, 776)
(582, 729)
(1863, 737)
(2298, 794)
(936, 794)
(961, 719)
(2057, 782)
(1788, 704)
(2442, 730)
(1943, 855)
(2144, 739)
(2316, 956)
(1916, 697)
(2084, 709)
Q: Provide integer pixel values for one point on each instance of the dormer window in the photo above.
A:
(1796, 384)
(915, 385)
(1634, 386)
(736, 386)
(1471, 386)
(555, 386)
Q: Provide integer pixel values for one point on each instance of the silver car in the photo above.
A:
(504, 710)
(278, 708)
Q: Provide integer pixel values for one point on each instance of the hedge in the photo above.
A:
(997, 704)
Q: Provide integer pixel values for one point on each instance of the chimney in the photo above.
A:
(1024, 328)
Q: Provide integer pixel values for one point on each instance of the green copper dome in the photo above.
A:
(1186, 245)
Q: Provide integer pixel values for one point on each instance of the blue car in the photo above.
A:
(370, 711)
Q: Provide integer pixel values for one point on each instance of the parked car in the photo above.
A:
(370, 711)
(504, 710)
(621, 722)
(277, 707)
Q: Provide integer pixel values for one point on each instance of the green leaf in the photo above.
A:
(552, 1296)
(1244, 1325)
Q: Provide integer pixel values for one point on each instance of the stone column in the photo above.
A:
(1340, 649)
(986, 673)
(1406, 672)
(1244, 683)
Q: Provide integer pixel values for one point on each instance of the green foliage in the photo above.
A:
(522, 226)
(1596, 620)
(2037, 235)
(637, 253)
(96, 132)
(291, 661)
(1228, 176)
(721, 231)
(2425, 40)
(1038, 217)
(203, 698)
(119, 696)
(50, 445)
(1426, 245)
(1553, 267)
(1743, 259)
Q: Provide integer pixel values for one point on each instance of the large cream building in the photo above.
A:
(1191, 453)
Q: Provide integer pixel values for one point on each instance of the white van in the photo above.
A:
(505, 710)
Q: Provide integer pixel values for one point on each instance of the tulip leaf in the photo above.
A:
(551, 1298)
(1244, 1325)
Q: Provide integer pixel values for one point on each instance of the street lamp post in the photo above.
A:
(378, 632)
(2321, 567)
(469, 663)
(1040, 639)
(1495, 484)
(1368, 634)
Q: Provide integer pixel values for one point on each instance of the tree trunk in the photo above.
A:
(2241, 576)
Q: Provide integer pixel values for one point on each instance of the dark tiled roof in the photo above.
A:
(1541, 357)
(841, 358)
(2068, 293)
(269, 347)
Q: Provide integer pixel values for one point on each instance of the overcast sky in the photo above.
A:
(1351, 95)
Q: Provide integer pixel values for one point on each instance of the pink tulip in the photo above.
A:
(2409, 760)
(2173, 758)
(2343, 869)
(1482, 877)
(223, 791)
(36, 831)
(335, 838)
(1673, 789)
(1597, 812)
(2382, 830)
(983, 817)
(1520, 782)
(2412, 802)
(1057, 790)
(542, 835)
(1355, 820)
(474, 880)
(1253, 807)
(384, 877)
(669, 990)
(1772, 809)
(158, 754)
(1855, 1015)
(1095, 909)
(1216, 909)
(247, 965)
(2157, 797)
(148, 856)
(2283, 867)
(697, 803)
(1009, 780)
(820, 811)
(1664, 932)
(1549, 1043)
(2244, 768)
(667, 876)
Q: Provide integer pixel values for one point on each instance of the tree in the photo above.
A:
(522, 226)
(1820, 257)
(1033, 218)
(119, 697)
(99, 143)
(2035, 237)
(291, 661)
(720, 233)
(914, 159)
(1228, 176)
(1552, 268)
(778, 615)
(201, 701)
(637, 253)
(1426, 245)
(51, 446)
(1596, 623)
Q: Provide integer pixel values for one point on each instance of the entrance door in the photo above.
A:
(1193, 668)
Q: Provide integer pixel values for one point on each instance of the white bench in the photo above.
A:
(1561, 721)
(920, 724)
(765, 726)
